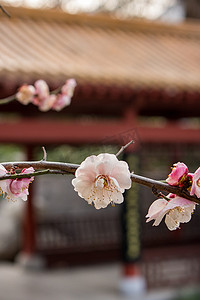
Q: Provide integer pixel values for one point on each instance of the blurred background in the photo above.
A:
(136, 64)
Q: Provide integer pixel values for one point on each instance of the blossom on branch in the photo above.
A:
(45, 104)
(68, 88)
(25, 94)
(43, 100)
(3, 183)
(15, 189)
(64, 98)
(102, 179)
(177, 210)
(178, 175)
(195, 189)
(42, 89)
(40, 95)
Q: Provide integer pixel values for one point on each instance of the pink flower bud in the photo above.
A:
(68, 87)
(178, 174)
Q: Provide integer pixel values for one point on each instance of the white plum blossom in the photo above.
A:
(25, 94)
(177, 210)
(102, 179)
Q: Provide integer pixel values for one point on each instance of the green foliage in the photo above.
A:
(189, 295)
(11, 152)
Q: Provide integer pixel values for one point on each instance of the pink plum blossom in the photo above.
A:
(62, 101)
(178, 174)
(25, 94)
(102, 179)
(43, 100)
(3, 183)
(195, 189)
(15, 189)
(68, 88)
(177, 210)
(47, 103)
(42, 89)
(40, 95)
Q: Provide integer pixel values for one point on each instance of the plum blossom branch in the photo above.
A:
(44, 167)
(158, 185)
(29, 175)
(176, 209)
(39, 95)
(66, 168)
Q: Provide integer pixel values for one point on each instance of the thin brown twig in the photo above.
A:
(45, 154)
(124, 147)
(29, 175)
(7, 99)
(42, 165)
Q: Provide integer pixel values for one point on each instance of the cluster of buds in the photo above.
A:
(176, 209)
(39, 95)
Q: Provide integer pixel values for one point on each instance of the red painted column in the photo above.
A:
(28, 257)
(131, 270)
(29, 217)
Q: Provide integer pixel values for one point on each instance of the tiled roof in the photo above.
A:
(54, 45)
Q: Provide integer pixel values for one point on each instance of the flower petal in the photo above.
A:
(105, 163)
(122, 174)
(171, 223)
(195, 189)
(178, 171)
(155, 209)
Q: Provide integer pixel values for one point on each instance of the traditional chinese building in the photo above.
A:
(136, 80)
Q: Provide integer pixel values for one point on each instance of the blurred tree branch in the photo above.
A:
(5, 11)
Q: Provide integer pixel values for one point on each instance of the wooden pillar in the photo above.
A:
(28, 257)
(29, 217)
(132, 280)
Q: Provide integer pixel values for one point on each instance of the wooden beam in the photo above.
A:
(42, 132)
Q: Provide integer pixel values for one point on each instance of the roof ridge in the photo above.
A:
(104, 21)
